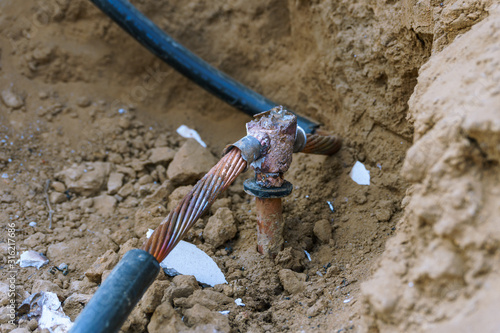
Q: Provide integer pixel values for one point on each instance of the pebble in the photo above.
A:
(190, 163)
(105, 262)
(11, 99)
(83, 101)
(115, 182)
(166, 320)
(57, 197)
(105, 205)
(323, 230)
(220, 228)
(292, 282)
(58, 187)
(85, 179)
(163, 155)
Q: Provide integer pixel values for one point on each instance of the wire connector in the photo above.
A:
(250, 149)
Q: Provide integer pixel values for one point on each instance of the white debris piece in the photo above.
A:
(149, 233)
(45, 306)
(32, 258)
(187, 132)
(348, 300)
(32, 224)
(307, 255)
(225, 312)
(239, 302)
(187, 259)
(331, 206)
(53, 317)
(359, 174)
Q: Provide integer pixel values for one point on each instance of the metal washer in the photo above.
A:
(251, 187)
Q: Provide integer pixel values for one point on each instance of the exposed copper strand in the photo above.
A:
(322, 144)
(194, 205)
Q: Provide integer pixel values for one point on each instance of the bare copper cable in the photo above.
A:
(194, 205)
(322, 144)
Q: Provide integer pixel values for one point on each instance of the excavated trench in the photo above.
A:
(412, 94)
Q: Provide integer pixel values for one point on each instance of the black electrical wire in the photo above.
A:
(187, 63)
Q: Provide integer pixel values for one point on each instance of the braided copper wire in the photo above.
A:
(322, 144)
(194, 204)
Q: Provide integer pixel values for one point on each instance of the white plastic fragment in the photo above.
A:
(225, 312)
(187, 259)
(187, 132)
(239, 302)
(149, 233)
(307, 255)
(331, 206)
(32, 224)
(360, 174)
(32, 258)
(46, 306)
(53, 317)
(348, 300)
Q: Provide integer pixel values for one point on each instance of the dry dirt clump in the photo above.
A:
(88, 143)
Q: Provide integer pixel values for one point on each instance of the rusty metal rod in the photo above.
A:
(269, 225)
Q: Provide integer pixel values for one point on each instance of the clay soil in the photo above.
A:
(412, 87)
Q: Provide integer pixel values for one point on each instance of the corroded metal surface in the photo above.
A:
(276, 130)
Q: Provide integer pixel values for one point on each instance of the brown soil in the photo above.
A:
(412, 87)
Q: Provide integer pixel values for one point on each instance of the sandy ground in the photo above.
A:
(412, 87)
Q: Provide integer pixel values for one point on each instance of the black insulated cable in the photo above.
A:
(118, 294)
(187, 63)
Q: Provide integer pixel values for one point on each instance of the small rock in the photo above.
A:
(58, 251)
(384, 211)
(208, 298)
(177, 195)
(11, 99)
(146, 179)
(163, 155)
(166, 320)
(315, 310)
(105, 262)
(83, 101)
(153, 296)
(126, 190)
(85, 179)
(115, 182)
(57, 197)
(86, 203)
(105, 204)
(35, 240)
(220, 228)
(124, 123)
(219, 203)
(292, 282)
(200, 315)
(58, 187)
(74, 304)
(159, 196)
(44, 285)
(183, 286)
(190, 163)
(323, 230)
